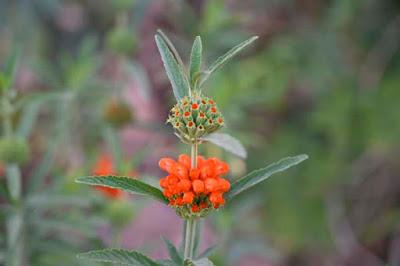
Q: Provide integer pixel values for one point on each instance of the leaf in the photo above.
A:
(228, 143)
(179, 82)
(10, 68)
(173, 252)
(260, 175)
(225, 58)
(195, 60)
(171, 47)
(203, 262)
(206, 253)
(128, 184)
(122, 256)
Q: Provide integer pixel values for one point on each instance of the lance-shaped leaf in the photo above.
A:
(128, 184)
(195, 60)
(260, 175)
(228, 143)
(225, 58)
(206, 253)
(173, 252)
(179, 82)
(121, 256)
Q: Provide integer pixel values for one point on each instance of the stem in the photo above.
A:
(15, 220)
(191, 224)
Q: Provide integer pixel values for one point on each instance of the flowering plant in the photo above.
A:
(194, 186)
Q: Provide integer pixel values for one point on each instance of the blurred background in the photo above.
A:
(92, 98)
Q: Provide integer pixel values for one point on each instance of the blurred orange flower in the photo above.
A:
(105, 166)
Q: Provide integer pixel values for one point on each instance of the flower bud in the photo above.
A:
(13, 150)
(200, 115)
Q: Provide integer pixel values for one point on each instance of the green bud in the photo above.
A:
(13, 150)
(199, 114)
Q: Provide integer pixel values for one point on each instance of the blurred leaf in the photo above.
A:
(203, 262)
(45, 200)
(225, 58)
(127, 257)
(173, 252)
(260, 175)
(166, 262)
(14, 181)
(130, 185)
(179, 82)
(10, 69)
(228, 143)
(206, 253)
(195, 61)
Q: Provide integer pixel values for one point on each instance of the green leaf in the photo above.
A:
(195, 61)
(10, 68)
(225, 58)
(203, 262)
(173, 252)
(206, 253)
(228, 143)
(260, 175)
(126, 257)
(179, 81)
(128, 184)
(172, 48)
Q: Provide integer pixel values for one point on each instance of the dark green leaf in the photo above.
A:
(128, 184)
(195, 60)
(127, 257)
(225, 58)
(260, 175)
(179, 81)
(228, 143)
(173, 252)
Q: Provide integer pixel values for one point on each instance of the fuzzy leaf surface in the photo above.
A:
(195, 59)
(121, 256)
(128, 184)
(228, 143)
(179, 81)
(225, 58)
(260, 175)
(173, 252)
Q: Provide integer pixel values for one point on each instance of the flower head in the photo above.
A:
(194, 191)
(195, 117)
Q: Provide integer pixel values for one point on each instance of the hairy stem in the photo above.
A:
(191, 224)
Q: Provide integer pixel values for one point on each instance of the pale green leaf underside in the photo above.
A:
(195, 59)
(260, 175)
(228, 143)
(203, 262)
(128, 184)
(225, 58)
(121, 256)
(179, 82)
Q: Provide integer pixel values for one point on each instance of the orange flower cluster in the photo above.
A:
(200, 187)
(105, 166)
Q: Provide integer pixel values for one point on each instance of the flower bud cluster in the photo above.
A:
(193, 192)
(195, 117)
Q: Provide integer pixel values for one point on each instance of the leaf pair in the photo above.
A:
(135, 186)
(183, 83)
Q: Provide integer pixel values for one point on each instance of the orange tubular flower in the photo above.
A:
(105, 166)
(194, 191)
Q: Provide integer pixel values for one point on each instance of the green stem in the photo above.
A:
(191, 224)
